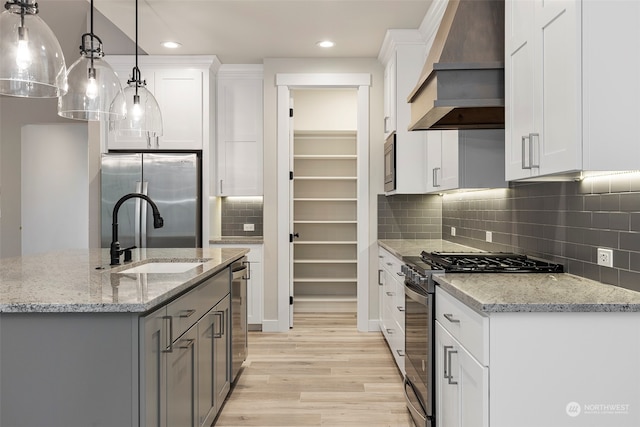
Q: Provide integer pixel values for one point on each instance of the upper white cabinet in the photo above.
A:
(567, 109)
(403, 53)
(465, 159)
(181, 85)
(240, 133)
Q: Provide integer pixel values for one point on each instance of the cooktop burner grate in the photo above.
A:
(489, 262)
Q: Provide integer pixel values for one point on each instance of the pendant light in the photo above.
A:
(143, 117)
(93, 86)
(31, 60)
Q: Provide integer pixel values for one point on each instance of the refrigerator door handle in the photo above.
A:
(143, 216)
(137, 216)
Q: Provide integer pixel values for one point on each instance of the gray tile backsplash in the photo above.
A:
(409, 216)
(563, 222)
(237, 212)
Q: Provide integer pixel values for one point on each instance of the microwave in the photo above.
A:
(390, 163)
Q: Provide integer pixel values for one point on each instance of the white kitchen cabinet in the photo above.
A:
(181, 85)
(465, 159)
(239, 137)
(255, 281)
(567, 110)
(403, 54)
(391, 294)
(541, 360)
(462, 382)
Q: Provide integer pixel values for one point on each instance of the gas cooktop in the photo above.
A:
(487, 262)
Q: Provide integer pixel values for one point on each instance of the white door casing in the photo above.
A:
(285, 83)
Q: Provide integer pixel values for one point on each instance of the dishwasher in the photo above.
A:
(240, 272)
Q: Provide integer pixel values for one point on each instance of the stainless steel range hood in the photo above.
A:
(462, 82)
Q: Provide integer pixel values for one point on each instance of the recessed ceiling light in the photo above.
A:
(326, 43)
(171, 45)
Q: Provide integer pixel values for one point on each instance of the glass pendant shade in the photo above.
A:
(94, 91)
(143, 117)
(31, 60)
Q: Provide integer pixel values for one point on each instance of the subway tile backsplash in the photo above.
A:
(562, 222)
(237, 212)
(413, 216)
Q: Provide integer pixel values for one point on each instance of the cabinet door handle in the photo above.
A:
(220, 332)
(189, 343)
(448, 351)
(400, 353)
(400, 308)
(221, 192)
(390, 294)
(534, 137)
(390, 331)
(399, 273)
(188, 313)
(450, 318)
(436, 183)
(379, 278)
(169, 348)
(389, 264)
(248, 264)
(386, 121)
(524, 151)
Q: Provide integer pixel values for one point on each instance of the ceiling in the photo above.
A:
(246, 31)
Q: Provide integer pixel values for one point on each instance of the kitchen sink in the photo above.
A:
(163, 267)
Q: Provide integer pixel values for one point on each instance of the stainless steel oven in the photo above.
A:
(390, 163)
(419, 361)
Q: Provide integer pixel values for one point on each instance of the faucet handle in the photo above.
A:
(127, 253)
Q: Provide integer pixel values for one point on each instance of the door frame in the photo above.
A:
(285, 82)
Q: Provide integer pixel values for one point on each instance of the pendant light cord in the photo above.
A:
(137, 70)
(91, 29)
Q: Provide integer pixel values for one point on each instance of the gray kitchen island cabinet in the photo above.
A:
(85, 346)
(184, 357)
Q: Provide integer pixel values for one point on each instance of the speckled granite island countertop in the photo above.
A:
(83, 281)
(533, 292)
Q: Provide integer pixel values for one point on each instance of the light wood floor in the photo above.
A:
(323, 372)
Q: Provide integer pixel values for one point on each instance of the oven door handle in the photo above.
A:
(417, 414)
(422, 299)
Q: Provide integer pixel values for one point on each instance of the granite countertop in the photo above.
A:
(537, 292)
(520, 292)
(413, 247)
(83, 281)
(237, 240)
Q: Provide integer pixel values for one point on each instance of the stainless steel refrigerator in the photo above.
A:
(171, 180)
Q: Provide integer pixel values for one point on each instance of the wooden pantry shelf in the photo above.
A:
(325, 280)
(349, 221)
(325, 242)
(325, 261)
(325, 199)
(325, 178)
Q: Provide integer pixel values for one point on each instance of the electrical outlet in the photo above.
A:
(453, 231)
(488, 236)
(249, 227)
(605, 257)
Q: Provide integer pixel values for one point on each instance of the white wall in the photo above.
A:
(325, 109)
(54, 187)
(327, 65)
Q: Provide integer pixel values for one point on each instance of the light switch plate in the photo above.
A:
(249, 227)
(453, 231)
(489, 236)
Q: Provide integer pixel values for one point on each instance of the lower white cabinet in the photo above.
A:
(254, 281)
(541, 368)
(184, 348)
(391, 295)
